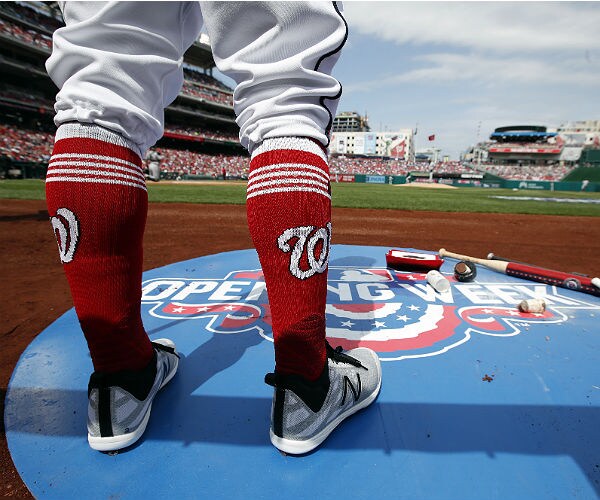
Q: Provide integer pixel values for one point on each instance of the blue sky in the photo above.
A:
(450, 66)
(461, 69)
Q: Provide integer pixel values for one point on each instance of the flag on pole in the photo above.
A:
(432, 137)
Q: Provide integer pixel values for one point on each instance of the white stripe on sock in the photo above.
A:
(286, 190)
(79, 172)
(287, 166)
(60, 165)
(97, 181)
(282, 182)
(66, 156)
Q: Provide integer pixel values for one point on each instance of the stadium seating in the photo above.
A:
(383, 166)
(24, 96)
(183, 162)
(30, 16)
(207, 93)
(203, 78)
(25, 35)
(527, 172)
(194, 132)
(23, 144)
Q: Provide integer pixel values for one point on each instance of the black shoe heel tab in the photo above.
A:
(312, 393)
(137, 383)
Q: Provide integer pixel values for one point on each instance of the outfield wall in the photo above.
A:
(592, 174)
(489, 183)
(25, 170)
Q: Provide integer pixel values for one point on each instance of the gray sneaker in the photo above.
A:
(119, 403)
(304, 413)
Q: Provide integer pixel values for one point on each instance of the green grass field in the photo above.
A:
(360, 196)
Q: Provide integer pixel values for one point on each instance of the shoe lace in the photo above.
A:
(338, 356)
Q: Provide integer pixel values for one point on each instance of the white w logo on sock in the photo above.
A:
(66, 230)
(307, 241)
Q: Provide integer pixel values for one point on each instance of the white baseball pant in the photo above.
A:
(119, 64)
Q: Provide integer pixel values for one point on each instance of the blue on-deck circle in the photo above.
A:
(478, 400)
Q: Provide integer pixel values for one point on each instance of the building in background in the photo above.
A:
(536, 145)
(537, 152)
(524, 145)
(581, 141)
(430, 155)
(350, 121)
(351, 135)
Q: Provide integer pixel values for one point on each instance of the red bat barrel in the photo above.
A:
(551, 277)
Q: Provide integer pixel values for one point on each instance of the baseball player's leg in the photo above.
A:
(117, 66)
(281, 54)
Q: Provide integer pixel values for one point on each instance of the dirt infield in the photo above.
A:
(35, 290)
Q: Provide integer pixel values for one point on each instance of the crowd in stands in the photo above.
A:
(209, 94)
(204, 86)
(385, 166)
(27, 96)
(22, 144)
(26, 35)
(40, 70)
(214, 134)
(178, 106)
(205, 79)
(196, 84)
(527, 172)
(182, 162)
(31, 145)
(452, 167)
(360, 165)
(26, 14)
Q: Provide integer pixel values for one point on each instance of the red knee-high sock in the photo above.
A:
(97, 202)
(289, 214)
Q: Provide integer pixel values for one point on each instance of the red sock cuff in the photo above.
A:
(91, 154)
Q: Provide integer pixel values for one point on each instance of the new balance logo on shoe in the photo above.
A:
(354, 390)
(297, 424)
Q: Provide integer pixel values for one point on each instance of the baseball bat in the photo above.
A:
(532, 273)
(493, 256)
